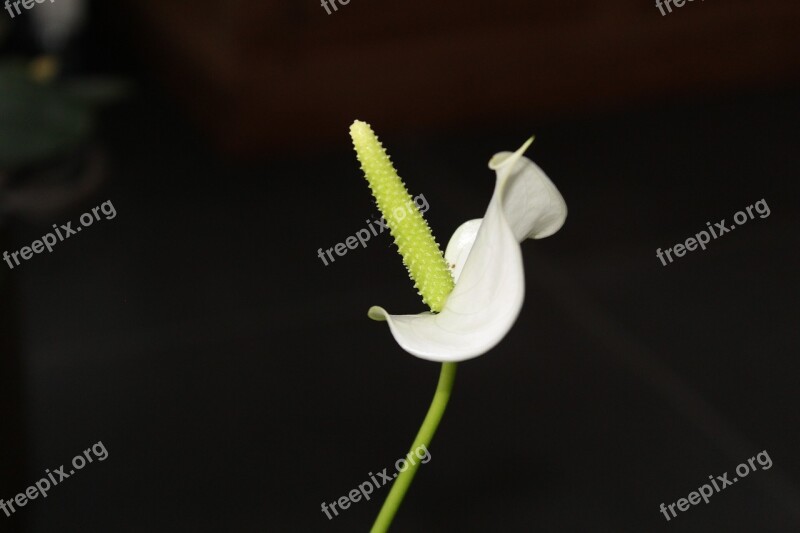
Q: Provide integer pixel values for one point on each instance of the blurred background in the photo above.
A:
(235, 379)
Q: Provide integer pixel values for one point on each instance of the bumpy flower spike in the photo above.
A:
(421, 254)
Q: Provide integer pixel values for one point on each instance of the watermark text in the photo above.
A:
(704, 492)
(47, 483)
(719, 229)
(366, 488)
(61, 233)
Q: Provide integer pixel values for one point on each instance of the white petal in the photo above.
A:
(460, 245)
(533, 206)
(490, 284)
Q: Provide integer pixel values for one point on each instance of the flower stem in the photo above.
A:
(423, 438)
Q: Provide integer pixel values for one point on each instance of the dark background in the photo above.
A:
(236, 381)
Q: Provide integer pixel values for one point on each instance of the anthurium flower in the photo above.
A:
(474, 290)
(488, 271)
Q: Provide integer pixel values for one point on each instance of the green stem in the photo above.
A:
(424, 437)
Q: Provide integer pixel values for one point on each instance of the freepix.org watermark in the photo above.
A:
(366, 488)
(64, 232)
(706, 491)
(719, 229)
(44, 485)
(27, 4)
(363, 235)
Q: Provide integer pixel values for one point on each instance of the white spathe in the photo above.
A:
(490, 280)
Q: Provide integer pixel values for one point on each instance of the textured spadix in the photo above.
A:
(421, 254)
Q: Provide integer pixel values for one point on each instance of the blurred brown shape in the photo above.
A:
(274, 74)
